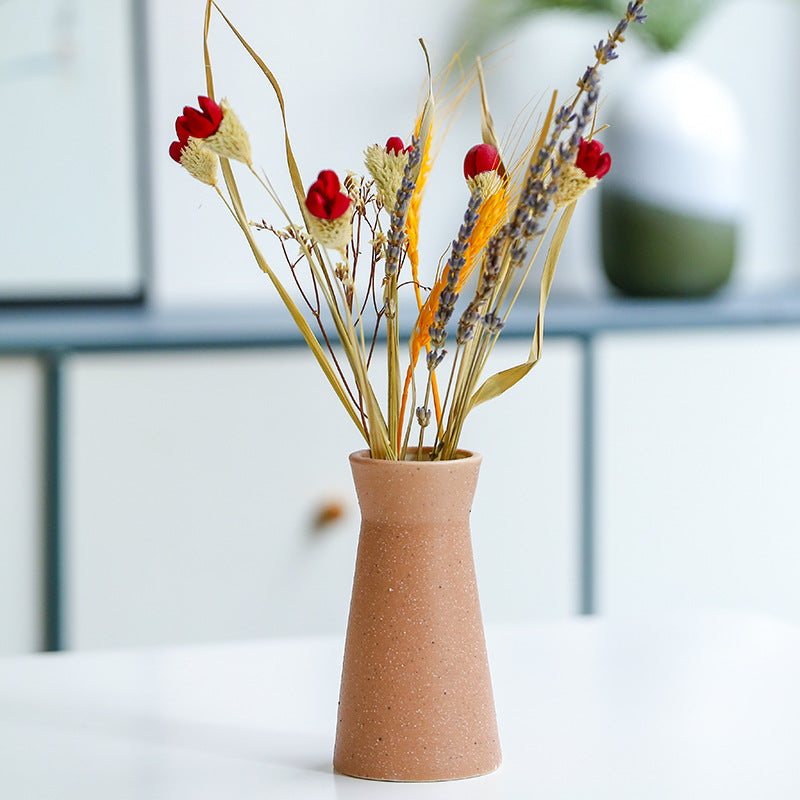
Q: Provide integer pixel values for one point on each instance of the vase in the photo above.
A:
(416, 700)
(672, 204)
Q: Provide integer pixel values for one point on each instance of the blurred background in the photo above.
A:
(172, 465)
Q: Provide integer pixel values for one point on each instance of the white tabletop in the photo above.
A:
(682, 707)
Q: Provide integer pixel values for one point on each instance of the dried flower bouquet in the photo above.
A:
(372, 224)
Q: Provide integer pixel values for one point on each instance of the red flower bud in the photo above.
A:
(481, 158)
(181, 130)
(324, 200)
(199, 123)
(395, 145)
(592, 160)
(175, 150)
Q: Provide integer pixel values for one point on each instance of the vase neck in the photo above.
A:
(428, 491)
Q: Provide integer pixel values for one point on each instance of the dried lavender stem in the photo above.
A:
(448, 296)
(440, 422)
(424, 406)
(455, 263)
(394, 244)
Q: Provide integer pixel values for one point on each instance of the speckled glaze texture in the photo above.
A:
(416, 699)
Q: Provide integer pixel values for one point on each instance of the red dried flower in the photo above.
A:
(324, 199)
(199, 123)
(592, 160)
(481, 158)
(395, 145)
(175, 150)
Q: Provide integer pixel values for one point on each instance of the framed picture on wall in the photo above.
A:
(73, 222)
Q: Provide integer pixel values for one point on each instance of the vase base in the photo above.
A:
(427, 777)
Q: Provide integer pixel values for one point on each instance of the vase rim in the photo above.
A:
(462, 457)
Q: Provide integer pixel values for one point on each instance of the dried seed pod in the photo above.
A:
(332, 233)
(230, 139)
(573, 183)
(329, 218)
(196, 159)
(386, 165)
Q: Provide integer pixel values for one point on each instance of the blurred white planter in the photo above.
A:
(672, 204)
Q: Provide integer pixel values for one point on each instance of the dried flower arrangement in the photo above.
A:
(515, 200)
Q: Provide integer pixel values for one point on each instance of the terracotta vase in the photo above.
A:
(416, 699)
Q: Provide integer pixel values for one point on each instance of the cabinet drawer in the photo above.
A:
(527, 512)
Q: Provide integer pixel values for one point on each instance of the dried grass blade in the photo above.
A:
(488, 132)
(545, 128)
(502, 381)
(294, 172)
(207, 58)
(548, 272)
(426, 118)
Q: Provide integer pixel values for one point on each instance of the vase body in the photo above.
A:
(416, 700)
(672, 204)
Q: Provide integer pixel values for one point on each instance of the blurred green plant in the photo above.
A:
(668, 21)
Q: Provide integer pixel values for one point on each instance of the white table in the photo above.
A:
(683, 707)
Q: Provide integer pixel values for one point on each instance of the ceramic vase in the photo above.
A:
(416, 700)
(672, 204)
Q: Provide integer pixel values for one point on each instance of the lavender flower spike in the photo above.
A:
(635, 12)
(489, 276)
(396, 234)
(607, 50)
(449, 295)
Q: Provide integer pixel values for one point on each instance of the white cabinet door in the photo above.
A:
(21, 518)
(194, 481)
(527, 512)
(698, 463)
